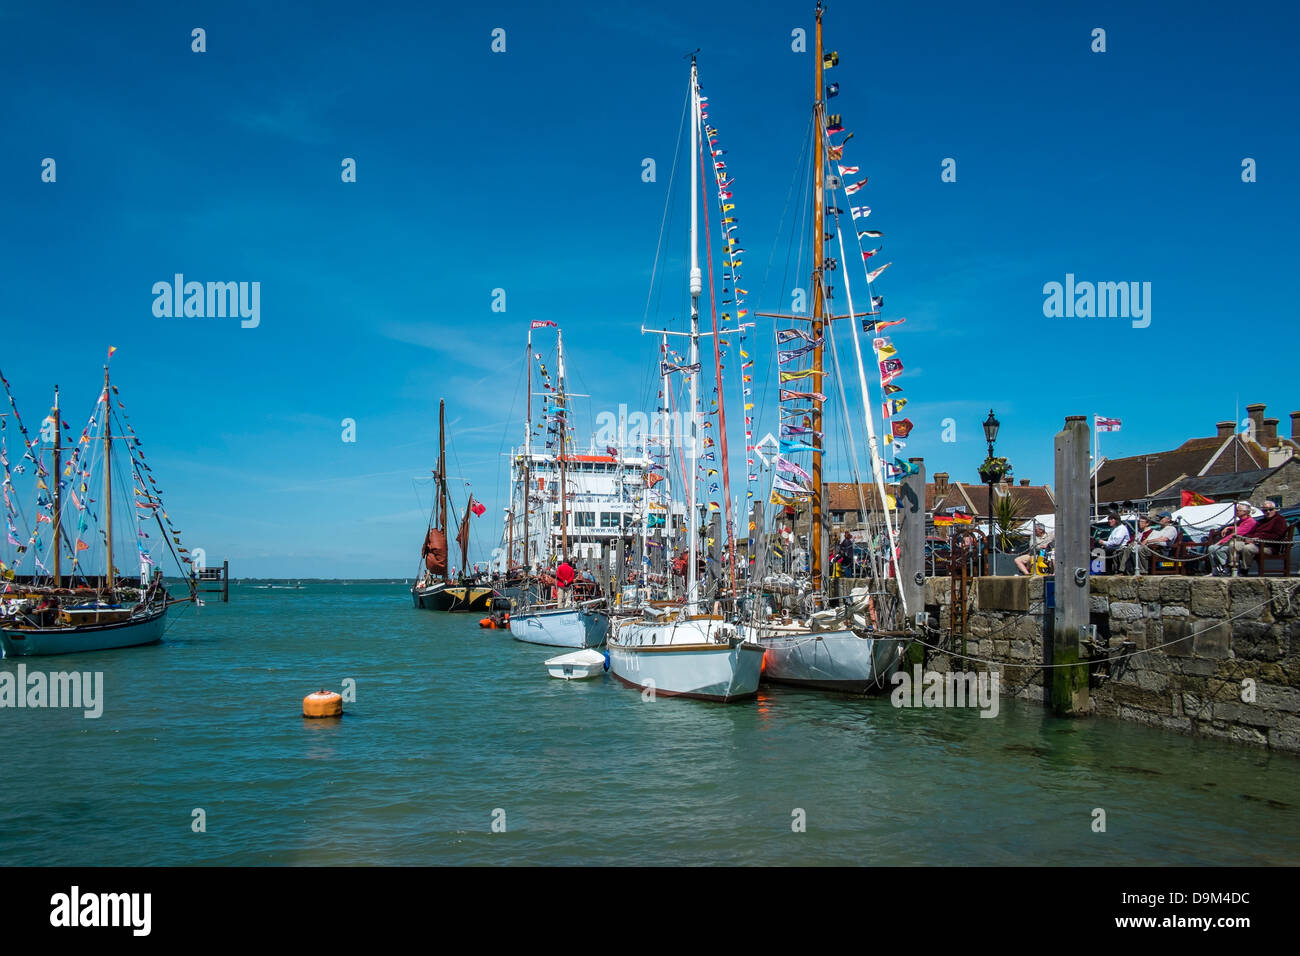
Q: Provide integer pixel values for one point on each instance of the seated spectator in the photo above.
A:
(1133, 550)
(1113, 546)
(1272, 527)
(1040, 541)
(1165, 535)
(1231, 544)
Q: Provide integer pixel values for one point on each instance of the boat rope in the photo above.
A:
(1112, 657)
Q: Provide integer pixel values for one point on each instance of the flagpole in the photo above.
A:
(1096, 467)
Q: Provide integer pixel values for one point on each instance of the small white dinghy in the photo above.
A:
(579, 665)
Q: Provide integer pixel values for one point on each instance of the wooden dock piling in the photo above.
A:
(1069, 684)
(911, 547)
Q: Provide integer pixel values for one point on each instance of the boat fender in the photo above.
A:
(323, 703)
(606, 660)
(485, 622)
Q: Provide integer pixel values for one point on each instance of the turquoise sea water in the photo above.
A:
(452, 723)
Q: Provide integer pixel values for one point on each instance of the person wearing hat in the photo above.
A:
(1165, 535)
(1232, 540)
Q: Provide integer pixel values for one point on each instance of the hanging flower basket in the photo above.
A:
(994, 470)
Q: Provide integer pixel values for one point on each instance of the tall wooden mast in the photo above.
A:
(108, 476)
(819, 304)
(442, 490)
(58, 491)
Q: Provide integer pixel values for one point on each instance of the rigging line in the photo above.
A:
(663, 222)
(868, 415)
(717, 363)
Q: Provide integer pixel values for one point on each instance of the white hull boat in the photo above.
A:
(702, 657)
(561, 627)
(580, 665)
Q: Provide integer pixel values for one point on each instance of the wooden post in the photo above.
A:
(911, 547)
(1070, 683)
(225, 581)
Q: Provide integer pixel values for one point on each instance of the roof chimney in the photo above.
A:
(1225, 429)
(1268, 437)
(1295, 426)
(1256, 413)
(1024, 482)
(941, 477)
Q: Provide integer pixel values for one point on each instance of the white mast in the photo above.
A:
(696, 287)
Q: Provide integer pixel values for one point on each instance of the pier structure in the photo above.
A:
(213, 580)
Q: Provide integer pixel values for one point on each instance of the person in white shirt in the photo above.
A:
(1114, 544)
(1165, 536)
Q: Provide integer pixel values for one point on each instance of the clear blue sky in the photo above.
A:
(522, 171)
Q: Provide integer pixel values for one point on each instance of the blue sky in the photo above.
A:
(522, 170)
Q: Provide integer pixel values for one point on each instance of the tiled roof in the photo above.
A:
(1140, 476)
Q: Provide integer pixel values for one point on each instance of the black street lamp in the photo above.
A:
(991, 425)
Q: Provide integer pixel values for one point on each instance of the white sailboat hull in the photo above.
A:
(829, 660)
(567, 627)
(696, 658)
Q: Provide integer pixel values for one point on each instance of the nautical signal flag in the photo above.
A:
(870, 234)
(873, 326)
(902, 428)
(832, 90)
(1106, 424)
(850, 190)
(860, 212)
(848, 170)
(892, 407)
(875, 273)
(540, 324)
(830, 60)
(868, 253)
(111, 350)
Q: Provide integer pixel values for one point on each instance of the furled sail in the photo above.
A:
(435, 551)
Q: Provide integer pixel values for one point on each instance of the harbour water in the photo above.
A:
(452, 723)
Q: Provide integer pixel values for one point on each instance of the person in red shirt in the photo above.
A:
(564, 582)
(1271, 527)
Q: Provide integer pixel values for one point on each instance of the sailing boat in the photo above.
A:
(66, 611)
(556, 625)
(433, 589)
(840, 648)
(680, 651)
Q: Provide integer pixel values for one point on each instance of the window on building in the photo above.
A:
(609, 519)
(584, 519)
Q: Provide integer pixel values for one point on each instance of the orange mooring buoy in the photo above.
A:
(323, 703)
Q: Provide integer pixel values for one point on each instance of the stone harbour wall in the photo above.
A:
(1213, 657)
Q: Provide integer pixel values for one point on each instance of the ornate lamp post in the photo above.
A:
(992, 472)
